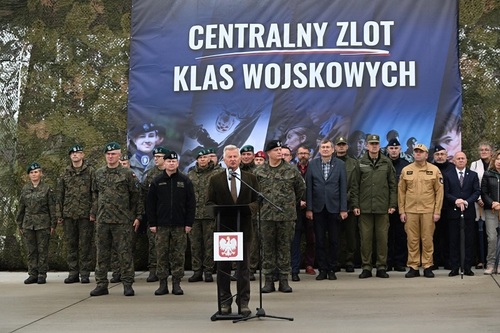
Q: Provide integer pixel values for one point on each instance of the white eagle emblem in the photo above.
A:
(228, 246)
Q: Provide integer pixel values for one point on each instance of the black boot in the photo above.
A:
(72, 279)
(99, 291)
(128, 290)
(269, 286)
(197, 276)
(163, 289)
(85, 279)
(176, 286)
(116, 278)
(152, 276)
(283, 284)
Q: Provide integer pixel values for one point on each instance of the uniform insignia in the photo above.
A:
(409, 172)
(162, 183)
(441, 180)
(180, 184)
(428, 172)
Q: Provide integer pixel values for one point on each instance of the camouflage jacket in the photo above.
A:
(115, 196)
(74, 192)
(200, 179)
(284, 186)
(248, 167)
(36, 207)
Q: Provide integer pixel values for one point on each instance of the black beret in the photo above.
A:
(273, 144)
(171, 155)
(437, 148)
(393, 142)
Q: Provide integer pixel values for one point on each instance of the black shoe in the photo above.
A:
(252, 276)
(412, 273)
(331, 275)
(31, 280)
(85, 279)
(41, 280)
(162, 289)
(349, 269)
(245, 311)
(128, 290)
(197, 276)
(468, 272)
(389, 269)
(322, 275)
(116, 279)
(365, 274)
(152, 276)
(208, 277)
(71, 279)
(176, 286)
(428, 273)
(99, 291)
(453, 272)
(382, 273)
(434, 267)
(399, 268)
(295, 277)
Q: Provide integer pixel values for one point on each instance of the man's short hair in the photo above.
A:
(230, 147)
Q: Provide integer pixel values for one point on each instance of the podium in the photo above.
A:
(228, 218)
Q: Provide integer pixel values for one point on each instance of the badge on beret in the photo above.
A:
(160, 150)
(75, 148)
(112, 146)
(33, 166)
(172, 155)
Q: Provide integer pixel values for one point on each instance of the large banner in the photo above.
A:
(207, 73)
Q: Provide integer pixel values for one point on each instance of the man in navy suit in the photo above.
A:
(326, 198)
(219, 193)
(461, 188)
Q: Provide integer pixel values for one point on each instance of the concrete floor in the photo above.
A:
(397, 304)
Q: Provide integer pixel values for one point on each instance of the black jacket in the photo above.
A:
(490, 188)
(171, 201)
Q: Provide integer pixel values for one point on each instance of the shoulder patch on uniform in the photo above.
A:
(409, 172)
(180, 184)
(429, 172)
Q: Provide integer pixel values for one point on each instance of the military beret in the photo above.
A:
(112, 146)
(373, 138)
(201, 152)
(273, 144)
(393, 142)
(33, 166)
(260, 153)
(246, 149)
(421, 147)
(340, 139)
(210, 151)
(142, 128)
(171, 155)
(160, 150)
(75, 148)
(438, 148)
(125, 156)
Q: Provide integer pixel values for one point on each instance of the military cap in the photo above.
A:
(142, 128)
(210, 151)
(373, 138)
(340, 139)
(273, 144)
(421, 147)
(160, 150)
(33, 166)
(125, 157)
(393, 142)
(260, 153)
(112, 146)
(438, 148)
(171, 155)
(75, 148)
(201, 152)
(246, 148)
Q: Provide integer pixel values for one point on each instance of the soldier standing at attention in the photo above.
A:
(36, 220)
(420, 198)
(117, 209)
(74, 192)
(283, 185)
(201, 235)
(171, 208)
(158, 154)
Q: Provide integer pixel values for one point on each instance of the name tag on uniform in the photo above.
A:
(409, 172)
(180, 184)
(429, 172)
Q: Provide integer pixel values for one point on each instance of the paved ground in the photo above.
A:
(442, 304)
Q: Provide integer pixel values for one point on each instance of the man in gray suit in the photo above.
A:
(326, 198)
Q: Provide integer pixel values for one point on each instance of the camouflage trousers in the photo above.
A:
(255, 247)
(276, 243)
(119, 236)
(115, 259)
(171, 243)
(78, 234)
(201, 237)
(37, 245)
(152, 259)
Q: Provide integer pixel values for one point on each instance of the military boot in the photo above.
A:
(152, 276)
(176, 286)
(269, 286)
(128, 290)
(163, 289)
(283, 284)
(197, 276)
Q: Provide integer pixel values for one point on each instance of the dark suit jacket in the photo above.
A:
(330, 193)
(470, 192)
(219, 193)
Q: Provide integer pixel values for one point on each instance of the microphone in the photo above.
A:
(230, 171)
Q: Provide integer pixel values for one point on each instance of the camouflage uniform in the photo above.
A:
(254, 247)
(74, 193)
(171, 207)
(284, 186)
(201, 235)
(116, 204)
(36, 217)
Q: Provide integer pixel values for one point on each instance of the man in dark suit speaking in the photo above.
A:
(225, 188)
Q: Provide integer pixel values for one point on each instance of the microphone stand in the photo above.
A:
(260, 313)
